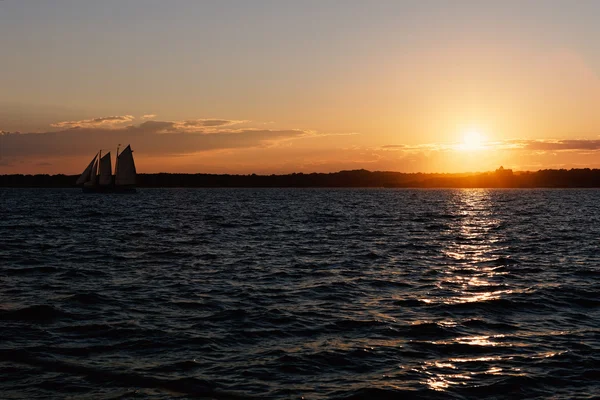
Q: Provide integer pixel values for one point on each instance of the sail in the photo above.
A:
(125, 174)
(94, 174)
(105, 170)
(88, 173)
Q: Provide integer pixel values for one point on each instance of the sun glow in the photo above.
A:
(472, 140)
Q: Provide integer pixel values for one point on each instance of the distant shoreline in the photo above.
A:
(501, 178)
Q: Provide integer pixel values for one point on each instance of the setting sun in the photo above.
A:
(472, 140)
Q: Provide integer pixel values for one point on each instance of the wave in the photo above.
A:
(35, 313)
(88, 299)
(45, 269)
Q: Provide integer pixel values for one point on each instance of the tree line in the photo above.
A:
(501, 178)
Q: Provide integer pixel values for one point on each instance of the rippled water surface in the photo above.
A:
(277, 293)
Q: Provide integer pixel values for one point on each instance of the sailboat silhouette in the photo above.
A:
(98, 177)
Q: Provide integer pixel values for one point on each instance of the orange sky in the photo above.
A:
(278, 88)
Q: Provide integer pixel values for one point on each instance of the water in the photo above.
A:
(274, 293)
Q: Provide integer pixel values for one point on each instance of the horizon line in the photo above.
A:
(500, 169)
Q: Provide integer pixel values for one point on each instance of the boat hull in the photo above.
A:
(109, 189)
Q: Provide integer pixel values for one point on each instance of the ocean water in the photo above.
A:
(291, 293)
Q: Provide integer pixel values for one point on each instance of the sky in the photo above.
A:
(300, 86)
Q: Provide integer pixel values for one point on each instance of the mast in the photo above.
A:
(117, 160)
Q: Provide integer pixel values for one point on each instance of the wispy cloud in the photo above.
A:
(105, 122)
(419, 147)
(148, 116)
(205, 125)
(202, 125)
(563, 145)
(509, 144)
(212, 122)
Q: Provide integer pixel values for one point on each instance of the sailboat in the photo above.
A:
(98, 177)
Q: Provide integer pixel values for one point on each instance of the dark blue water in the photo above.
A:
(275, 293)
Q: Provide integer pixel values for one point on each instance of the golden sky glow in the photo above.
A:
(300, 87)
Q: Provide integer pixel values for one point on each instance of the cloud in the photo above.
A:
(148, 116)
(96, 122)
(418, 147)
(154, 127)
(149, 137)
(213, 122)
(198, 126)
(206, 125)
(565, 145)
(510, 144)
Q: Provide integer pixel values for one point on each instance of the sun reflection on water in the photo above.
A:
(472, 248)
(471, 274)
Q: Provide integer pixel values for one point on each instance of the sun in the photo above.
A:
(472, 140)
